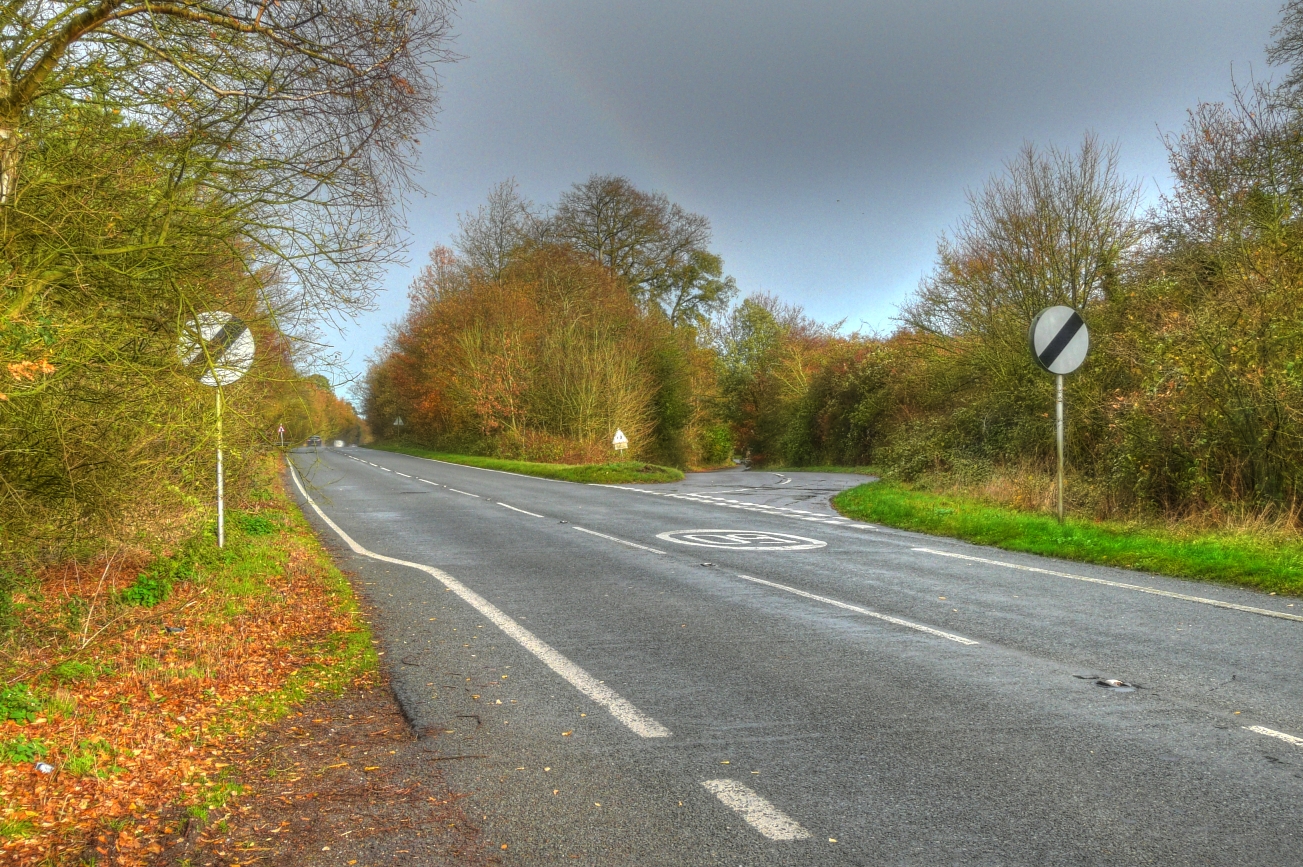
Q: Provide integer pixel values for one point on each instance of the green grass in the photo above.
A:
(607, 474)
(1262, 562)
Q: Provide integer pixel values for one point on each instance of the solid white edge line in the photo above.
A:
(455, 491)
(522, 511)
(614, 539)
(1272, 733)
(887, 617)
(758, 813)
(638, 722)
(1216, 603)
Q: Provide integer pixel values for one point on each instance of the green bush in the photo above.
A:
(20, 750)
(147, 590)
(715, 444)
(254, 525)
(18, 703)
(7, 583)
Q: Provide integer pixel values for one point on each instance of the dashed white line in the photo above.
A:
(522, 511)
(638, 722)
(1216, 603)
(455, 491)
(758, 813)
(1272, 733)
(404, 475)
(614, 539)
(887, 617)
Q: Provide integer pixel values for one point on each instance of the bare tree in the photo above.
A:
(487, 238)
(299, 117)
(1054, 229)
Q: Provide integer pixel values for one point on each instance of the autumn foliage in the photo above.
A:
(544, 362)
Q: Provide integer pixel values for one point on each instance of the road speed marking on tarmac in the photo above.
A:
(741, 540)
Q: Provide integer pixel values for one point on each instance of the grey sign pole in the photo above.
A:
(1059, 340)
(1058, 435)
(220, 348)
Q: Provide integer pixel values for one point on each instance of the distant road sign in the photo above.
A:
(219, 344)
(1059, 339)
(621, 442)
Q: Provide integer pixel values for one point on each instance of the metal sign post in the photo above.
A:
(1059, 340)
(621, 442)
(220, 348)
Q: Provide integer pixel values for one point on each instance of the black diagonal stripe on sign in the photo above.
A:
(224, 339)
(1051, 353)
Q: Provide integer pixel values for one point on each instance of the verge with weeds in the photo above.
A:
(130, 680)
(607, 474)
(1262, 561)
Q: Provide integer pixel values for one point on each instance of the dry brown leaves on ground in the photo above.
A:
(143, 706)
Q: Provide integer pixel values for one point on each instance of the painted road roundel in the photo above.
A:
(220, 345)
(741, 540)
(1059, 339)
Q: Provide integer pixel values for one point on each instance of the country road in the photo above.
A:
(723, 671)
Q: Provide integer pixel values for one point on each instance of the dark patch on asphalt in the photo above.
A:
(339, 782)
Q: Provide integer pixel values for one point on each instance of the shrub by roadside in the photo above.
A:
(1269, 562)
(132, 680)
(606, 474)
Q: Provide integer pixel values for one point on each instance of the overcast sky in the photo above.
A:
(829, 143)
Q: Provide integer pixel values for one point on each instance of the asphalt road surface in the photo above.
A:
(724, 671)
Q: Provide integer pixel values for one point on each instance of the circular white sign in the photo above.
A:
(741, 540)
(1059, 339)
(219, 344)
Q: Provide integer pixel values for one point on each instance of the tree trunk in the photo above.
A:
(8, 159)
(8, 141)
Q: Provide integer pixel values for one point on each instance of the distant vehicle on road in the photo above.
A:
(314, 441)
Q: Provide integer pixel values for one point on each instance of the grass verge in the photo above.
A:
(606, 474)
(134, 679)
(1261, 562)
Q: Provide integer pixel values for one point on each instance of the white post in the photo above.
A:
(1058, 411)
(221, 500)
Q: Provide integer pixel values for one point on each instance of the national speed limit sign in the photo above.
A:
(1059, 339)
(217, 346)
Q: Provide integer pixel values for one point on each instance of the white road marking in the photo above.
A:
(1272, 733)
(887, 617)
(522, 511)
(718, 500)
(386, 469)
(758, 813)
(614, 539)
(640, 723)
(1216, 603)
(404, 475)
(427, 481)
(455, 491)
(742, 540)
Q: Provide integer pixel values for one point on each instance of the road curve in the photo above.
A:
(724, 671)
